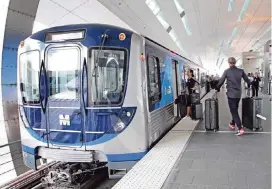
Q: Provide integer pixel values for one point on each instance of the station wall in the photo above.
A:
(16, 23)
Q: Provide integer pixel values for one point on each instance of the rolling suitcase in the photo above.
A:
(211, 114)
(181, 101)
(251, 108)
(197, 111)
(183, 105)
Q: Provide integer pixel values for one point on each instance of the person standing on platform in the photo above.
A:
(255, 85)
(190, 85)
(234, 76)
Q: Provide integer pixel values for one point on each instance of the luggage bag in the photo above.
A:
(211, 114)
(251, 107)
(183, 105)
(197, 111)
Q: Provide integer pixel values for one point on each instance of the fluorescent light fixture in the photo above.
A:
(184, 18)
(221, 63)
(179, 7)
(173, 35)
(186, 25)
(154, 7)
(217, 61)
(230, 5)
(244, 9)
(162, 21)
(234, 33)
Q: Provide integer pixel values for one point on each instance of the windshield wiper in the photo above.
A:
(95, 70)
(103, 39)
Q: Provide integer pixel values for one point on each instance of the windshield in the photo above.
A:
(107, 76)
(29, 76)
(63, 69)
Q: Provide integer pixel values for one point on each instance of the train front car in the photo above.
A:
(80, 99)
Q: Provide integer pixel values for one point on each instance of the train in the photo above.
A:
(95, 95)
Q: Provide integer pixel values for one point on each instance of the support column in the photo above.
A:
(16, 23)
(266, 67)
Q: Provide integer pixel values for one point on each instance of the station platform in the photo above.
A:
(190, 158)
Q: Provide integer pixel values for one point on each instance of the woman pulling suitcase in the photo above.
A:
(194, 107)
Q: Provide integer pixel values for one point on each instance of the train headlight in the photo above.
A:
(119, 126)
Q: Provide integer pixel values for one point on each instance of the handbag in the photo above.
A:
(195, 96)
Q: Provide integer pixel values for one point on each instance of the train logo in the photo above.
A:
(64, 120)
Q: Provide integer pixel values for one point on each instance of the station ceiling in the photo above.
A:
(205, 31)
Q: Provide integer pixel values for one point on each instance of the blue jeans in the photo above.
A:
(233, 106)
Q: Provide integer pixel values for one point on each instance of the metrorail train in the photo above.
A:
(93, 93)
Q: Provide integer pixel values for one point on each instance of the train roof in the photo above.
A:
(74, 27)
(102, 27)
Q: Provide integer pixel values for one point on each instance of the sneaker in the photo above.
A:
(240, 132)
(232, 126)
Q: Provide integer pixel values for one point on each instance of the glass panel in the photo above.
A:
(63, 72)
(153, 76)
(29, 76)
(108, 76)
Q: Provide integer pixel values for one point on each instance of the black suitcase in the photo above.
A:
(181, 101)
(250, 108)
(183, 105)
(211, 114)
(197, 111)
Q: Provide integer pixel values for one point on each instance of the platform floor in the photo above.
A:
(222, 160)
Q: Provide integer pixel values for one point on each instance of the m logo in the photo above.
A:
(64, 120)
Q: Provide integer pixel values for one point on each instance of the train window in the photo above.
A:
(108, 71)
(154, 83)
(63, 69)
(29, 76)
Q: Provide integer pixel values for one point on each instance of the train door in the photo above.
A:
(63, 107)
(175, 86)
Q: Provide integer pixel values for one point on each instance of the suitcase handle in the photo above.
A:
(215, 95)
(247, 93)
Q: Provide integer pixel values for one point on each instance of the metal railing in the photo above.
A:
(15, 154)
(29, 179)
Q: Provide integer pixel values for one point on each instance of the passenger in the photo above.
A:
(207, 83)
(190, 85)
(250, 79)
(255, 85)
(234, 76)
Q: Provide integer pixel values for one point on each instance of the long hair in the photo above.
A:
(192, 72)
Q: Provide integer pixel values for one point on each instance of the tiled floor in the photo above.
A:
(223, 160)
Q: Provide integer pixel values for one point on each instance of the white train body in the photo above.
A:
(96, 93)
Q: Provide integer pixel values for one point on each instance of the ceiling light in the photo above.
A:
(173, 35)
(244, 9)
(230, 5)
(162, 21)
(185, 23)
(217, 61)
(179, 7)
(221, 63)
(154, 7)
(184, 18)
(234, 32)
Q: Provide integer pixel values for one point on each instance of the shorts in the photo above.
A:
(188, 100)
